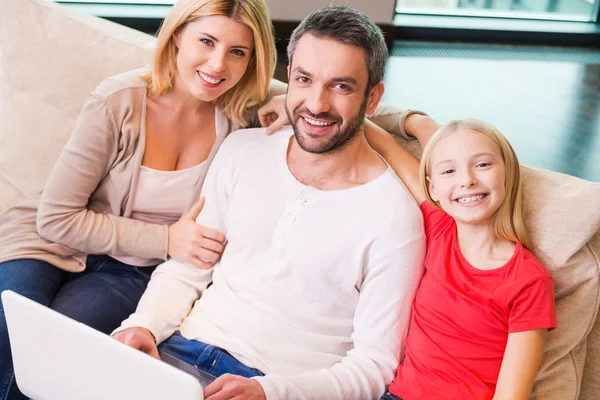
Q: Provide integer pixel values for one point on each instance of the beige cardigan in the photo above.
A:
(86, 203)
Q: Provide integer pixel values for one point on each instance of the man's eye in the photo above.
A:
(303, 79)
(343, 87)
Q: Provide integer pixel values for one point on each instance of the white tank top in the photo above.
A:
(161, 197)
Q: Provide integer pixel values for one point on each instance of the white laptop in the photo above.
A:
(57, 358)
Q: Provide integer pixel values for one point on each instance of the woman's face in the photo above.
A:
(213, 54)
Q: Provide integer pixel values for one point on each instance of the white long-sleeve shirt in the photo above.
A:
(314, 287)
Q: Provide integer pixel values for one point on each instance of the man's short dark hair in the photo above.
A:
(349, 26)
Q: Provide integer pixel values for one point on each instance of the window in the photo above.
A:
(145, 2)
(560, 10)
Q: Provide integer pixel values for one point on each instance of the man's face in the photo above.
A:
(326, 101)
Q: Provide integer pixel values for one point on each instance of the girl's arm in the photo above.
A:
(402, 162)
(520, 364)
(421, 126)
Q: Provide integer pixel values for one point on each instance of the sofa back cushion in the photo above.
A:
(562, 215)
(590, 386)
(51, 58)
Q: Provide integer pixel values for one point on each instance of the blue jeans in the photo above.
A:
(389, 396)
(207, 358)
(102, 296)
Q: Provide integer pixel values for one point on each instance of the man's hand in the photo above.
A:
(140, 339)
(234, 387)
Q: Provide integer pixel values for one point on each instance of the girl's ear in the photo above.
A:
(431, 188)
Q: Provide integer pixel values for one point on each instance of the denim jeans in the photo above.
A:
(389, 396)
(207, 358)
(102, 296)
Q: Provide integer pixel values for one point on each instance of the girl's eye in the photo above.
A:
(207, 42)
(483, 164)
(238, 52)
(447, 172)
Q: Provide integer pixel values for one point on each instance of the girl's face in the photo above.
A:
(467, 177)
(213, 54)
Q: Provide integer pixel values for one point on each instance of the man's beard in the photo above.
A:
(333, 143)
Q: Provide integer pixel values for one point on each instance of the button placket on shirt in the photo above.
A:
(293, 215)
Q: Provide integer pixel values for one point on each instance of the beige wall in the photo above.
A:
(382, 11)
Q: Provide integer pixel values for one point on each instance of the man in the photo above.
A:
(312, 296)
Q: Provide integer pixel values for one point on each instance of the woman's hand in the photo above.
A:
(195, 244)
(272, 115)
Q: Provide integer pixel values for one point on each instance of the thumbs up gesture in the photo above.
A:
(195, 244)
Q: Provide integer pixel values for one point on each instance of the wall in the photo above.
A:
(382, 11)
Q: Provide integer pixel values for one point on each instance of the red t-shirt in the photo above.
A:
(461, 317)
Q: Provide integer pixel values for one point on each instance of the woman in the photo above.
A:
(111, 209)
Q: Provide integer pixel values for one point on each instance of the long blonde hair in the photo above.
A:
(253, 87)
(508, 219)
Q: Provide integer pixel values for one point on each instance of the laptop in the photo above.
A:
(57, 358)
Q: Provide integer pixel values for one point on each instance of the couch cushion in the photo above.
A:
(50, 59)
(561, 214)
(590, 387)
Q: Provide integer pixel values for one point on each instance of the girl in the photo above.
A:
(485, 303)
(135, 162)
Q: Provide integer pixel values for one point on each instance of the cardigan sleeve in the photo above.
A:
(63, 216)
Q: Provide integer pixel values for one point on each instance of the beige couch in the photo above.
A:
(51, 58)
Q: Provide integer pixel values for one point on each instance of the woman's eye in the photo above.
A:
(207, 42)
(238, 52)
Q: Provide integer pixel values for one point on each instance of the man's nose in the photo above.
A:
(318, 101)
(468, 178)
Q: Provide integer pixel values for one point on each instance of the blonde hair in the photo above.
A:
(253, 87)
(508, 219)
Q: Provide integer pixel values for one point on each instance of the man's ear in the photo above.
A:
(288, 72)
(374, 98)
(432, 191)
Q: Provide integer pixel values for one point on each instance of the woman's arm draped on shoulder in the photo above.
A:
(400, 160)
(520, 364)
(63, 216)
(265, 114)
